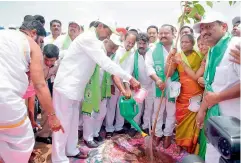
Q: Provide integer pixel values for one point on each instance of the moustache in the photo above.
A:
(163, 38)
(207, 34)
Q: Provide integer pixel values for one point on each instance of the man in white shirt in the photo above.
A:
(17, 49)
(73, 75)
(166, 36)
(222, 77)
(140, 73)
(56, 29)
(125, 58)
(92, 123)
(152, 32)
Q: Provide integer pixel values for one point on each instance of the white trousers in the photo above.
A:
(170, 118)
(65, 144)
(113, 112)
(16, 144)
(212, 155)
(92, 124)
(148, 106)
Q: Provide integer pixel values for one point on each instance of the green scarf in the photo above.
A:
(159, 67)
(215, 56)
(127, 53)
(106, 84)
(67, 42)
(136, 71)
(92, 92)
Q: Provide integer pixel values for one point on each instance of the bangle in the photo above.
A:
(52, 114)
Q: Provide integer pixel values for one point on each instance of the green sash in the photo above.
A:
(158, 58)
(106, 84)
(67, 42)
(136, 73)
(92, 92)
(127, 53)
(215, 56)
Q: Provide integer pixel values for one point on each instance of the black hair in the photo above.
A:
(183, 27)
(171, 27)
(51, 51)
(190, 36)
(55, 21)
(143, 36)
(34, 25)
(152, 26)
(28, 18)
(97, 23)
(40, 18)
(130, 33)
(92, 24)
(134, 30)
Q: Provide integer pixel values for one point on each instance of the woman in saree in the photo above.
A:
(187, 131)
(198, 75)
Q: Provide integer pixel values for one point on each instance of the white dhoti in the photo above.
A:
(113, 112)
(148, 106)
(170, 118)
(65, 143)
(92, 124)
(16, 144)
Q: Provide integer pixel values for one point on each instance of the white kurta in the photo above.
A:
(147, 83)
(59, 42)
(227, 75)
(74, 72)
(78, 65)
(49, 39)
(16, 144)
(169, 107)
(113, 107)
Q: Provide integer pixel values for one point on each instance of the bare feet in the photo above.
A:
(157, 140)
(167, 142)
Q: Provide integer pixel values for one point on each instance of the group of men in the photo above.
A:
(87, 72)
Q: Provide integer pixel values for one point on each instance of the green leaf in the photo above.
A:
(200, 9)
(195, 21)
(209, 3)
(180, 19)
(230, 3)
(192, 13)
(194, 2)
(187, 20)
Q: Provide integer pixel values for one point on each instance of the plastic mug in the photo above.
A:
(140, 95)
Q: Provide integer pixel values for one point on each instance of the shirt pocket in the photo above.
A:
(221, 75)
